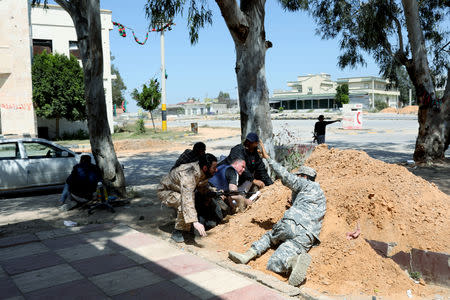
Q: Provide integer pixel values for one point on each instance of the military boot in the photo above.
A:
(177, 236)
(242, 258)
(299, 265)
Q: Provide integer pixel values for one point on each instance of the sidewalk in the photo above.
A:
(113, 262)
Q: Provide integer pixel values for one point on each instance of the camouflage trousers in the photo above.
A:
(173, 199)
(291, 239)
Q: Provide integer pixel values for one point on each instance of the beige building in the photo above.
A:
(16, 107)
(52, 30)
(312, 91)
(371, 89)
(318, 91)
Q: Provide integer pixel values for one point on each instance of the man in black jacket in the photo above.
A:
(255, 171)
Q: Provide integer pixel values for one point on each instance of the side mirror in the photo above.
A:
(64, 154)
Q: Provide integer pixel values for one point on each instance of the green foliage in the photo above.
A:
(342, 94)
(281, 109)
(150, 96)
(289, 150)
(373, 27)
(140, 126)
(380, 105)
(118, 86)
(403, 84)
(415, 275)
(58, 87)
(163, 11)
(78, 135)
(223, 96)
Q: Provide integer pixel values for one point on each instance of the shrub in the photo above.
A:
(280, 109)
(380, 105)
(80, 134)
(140, 128)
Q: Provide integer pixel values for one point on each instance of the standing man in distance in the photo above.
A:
(320, 127)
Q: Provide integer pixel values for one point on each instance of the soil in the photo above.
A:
(389, 203)
(411, 109)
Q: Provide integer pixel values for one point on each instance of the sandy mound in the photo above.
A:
(412, 109)
(389, 110)
(391, 205)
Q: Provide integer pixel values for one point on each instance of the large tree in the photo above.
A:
(377, 27)
(58, 88)
(245, 22)
(86, 18)
(149, 98)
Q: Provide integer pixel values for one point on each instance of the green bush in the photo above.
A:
(77, 135)
(280, 109)
(380, 105)
(140, 128)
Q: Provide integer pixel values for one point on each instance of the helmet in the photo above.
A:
(304, 170)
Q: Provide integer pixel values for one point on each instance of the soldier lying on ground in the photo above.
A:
(177, 190)
(297, 231)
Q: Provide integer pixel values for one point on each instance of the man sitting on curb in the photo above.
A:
(297, 231)
(82, 182)
(177, 190)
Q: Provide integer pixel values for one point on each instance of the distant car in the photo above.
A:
(32, 162)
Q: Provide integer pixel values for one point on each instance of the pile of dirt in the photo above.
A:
(411, 109)
(390, 204)
(389, 110)
(147, 145)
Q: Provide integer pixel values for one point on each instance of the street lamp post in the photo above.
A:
(163, 85)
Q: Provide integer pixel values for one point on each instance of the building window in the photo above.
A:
(366, 85)
(309, 90)
(299, 89)
(74, 50)
(40, 46)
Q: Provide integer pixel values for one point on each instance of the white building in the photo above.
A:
(368, 90)
(318, 91)
(51, 29)
(16, 107)
(312, 91)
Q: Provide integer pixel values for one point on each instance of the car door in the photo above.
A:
(13, 170)
(47, 164)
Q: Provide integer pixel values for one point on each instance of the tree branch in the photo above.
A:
(64, 4)
(399, 33)
(234, 18)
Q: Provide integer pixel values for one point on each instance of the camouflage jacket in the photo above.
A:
(308, 200)
(184, 180)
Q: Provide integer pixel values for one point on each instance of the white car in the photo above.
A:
(33, 162)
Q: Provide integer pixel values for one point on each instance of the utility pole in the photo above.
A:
(163, 85)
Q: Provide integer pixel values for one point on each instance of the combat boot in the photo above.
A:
(299, 265)
(177, 236)
(242, 258)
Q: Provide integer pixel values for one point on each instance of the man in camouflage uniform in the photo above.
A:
(299, 228)
(177, 190)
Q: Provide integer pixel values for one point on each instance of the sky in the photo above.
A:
(206, 68)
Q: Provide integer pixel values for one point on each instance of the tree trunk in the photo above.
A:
(430, 143)
(246, 25)
(153, 121)
(86, 17)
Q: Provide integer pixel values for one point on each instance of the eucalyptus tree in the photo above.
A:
(396, 33)
(86, 18)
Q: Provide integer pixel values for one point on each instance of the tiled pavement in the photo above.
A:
(113, 262)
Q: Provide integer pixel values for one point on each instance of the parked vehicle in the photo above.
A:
(33, 162)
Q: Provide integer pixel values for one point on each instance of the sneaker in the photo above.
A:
(177, 236)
